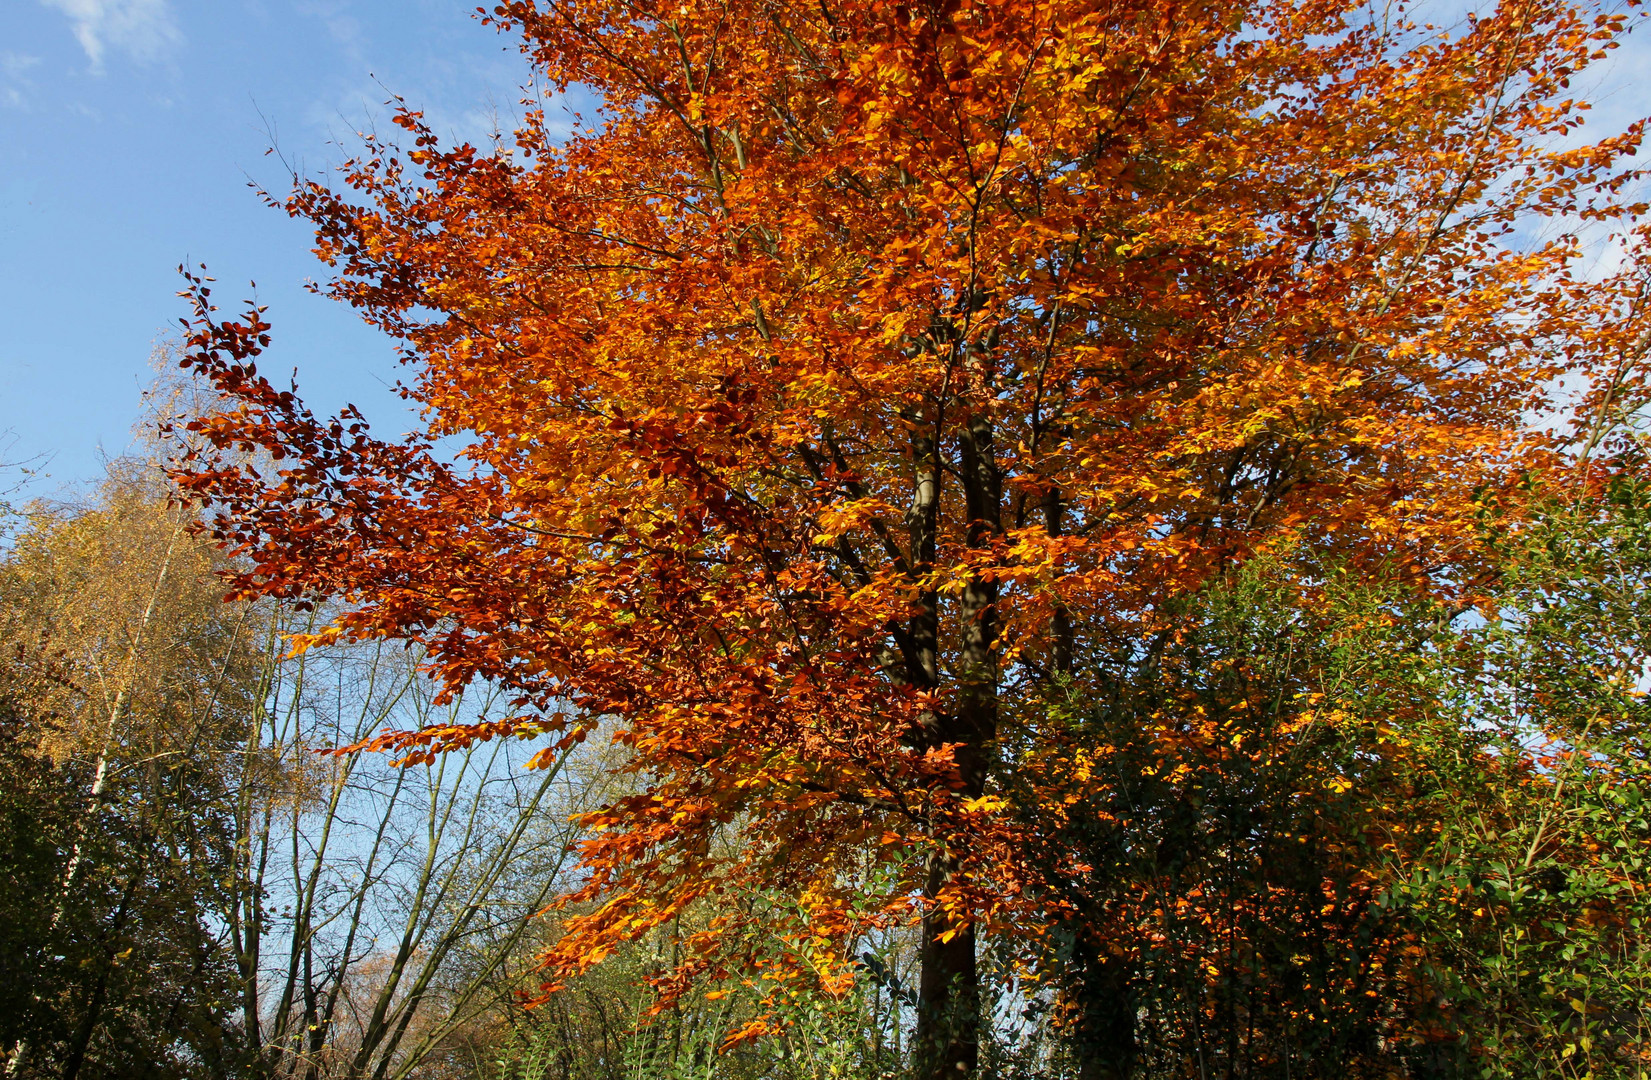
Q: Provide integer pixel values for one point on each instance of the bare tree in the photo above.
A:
(380, 902)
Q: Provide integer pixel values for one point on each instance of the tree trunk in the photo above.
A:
(947, 1043)
(82, 1040)
(1105, 1036)
(948, 1010)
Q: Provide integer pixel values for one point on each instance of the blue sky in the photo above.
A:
(129, 130)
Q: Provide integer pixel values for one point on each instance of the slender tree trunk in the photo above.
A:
(117, 713)
(943, 964)
(253, 814)
(948, 1013)
(1061, 622)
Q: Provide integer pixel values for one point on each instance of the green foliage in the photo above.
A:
(1318, 825)
(1534, 900)
(1321, 826)
(1226, 801)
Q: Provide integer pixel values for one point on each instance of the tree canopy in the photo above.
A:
(866, 379)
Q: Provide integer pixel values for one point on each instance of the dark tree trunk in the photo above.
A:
(1105, 1035)
(948, 1014)
(100, 990)
(948, 992)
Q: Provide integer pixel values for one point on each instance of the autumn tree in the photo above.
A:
(187, 887)
(124, 682)
(861, 371)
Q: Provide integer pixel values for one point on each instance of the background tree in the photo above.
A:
(1333, 829)
(1224, 821)
(380, 909)
(187, 887)
(125, 681)
(865, 369)
(1531, 901)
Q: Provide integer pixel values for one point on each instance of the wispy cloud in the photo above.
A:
(14, 78)
(143, 29)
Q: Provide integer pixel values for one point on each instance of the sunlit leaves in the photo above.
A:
(862, 369)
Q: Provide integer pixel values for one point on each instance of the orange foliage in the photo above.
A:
(865, 365)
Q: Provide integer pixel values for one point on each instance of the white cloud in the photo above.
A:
(14, 78)
(15, 64)
(143, 29)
